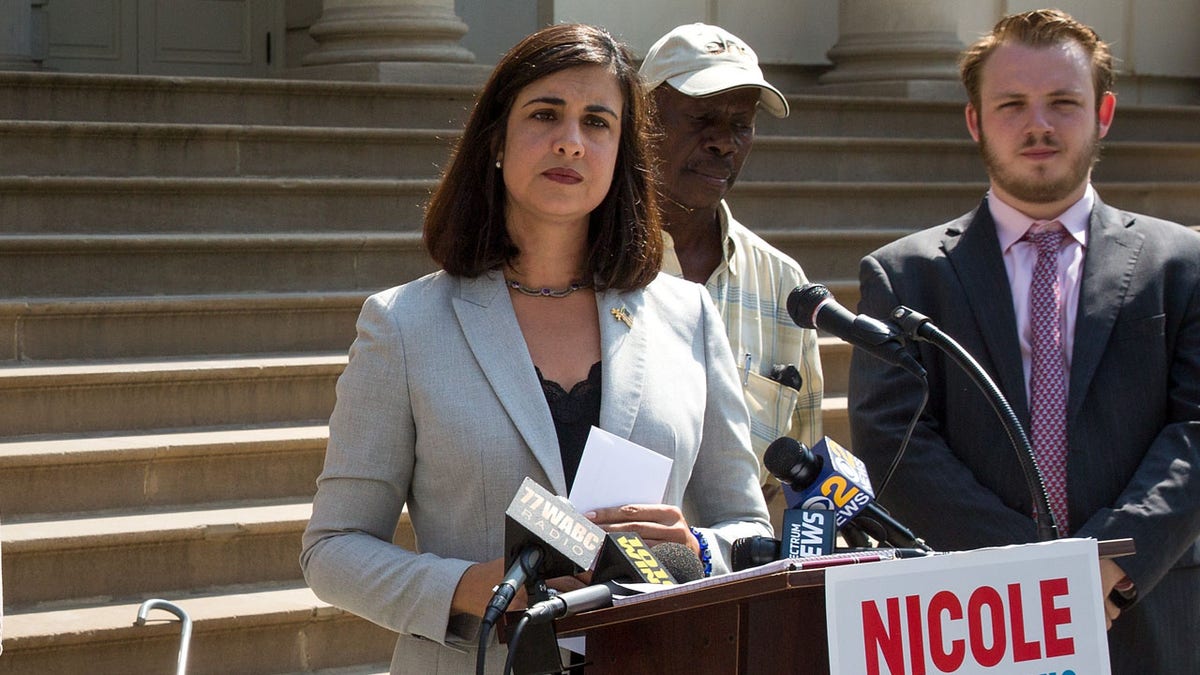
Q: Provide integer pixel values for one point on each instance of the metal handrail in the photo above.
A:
(185, 637)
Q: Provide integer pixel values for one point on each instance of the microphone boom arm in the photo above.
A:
(918, 327)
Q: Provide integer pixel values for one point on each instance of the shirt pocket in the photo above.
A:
(771, 406)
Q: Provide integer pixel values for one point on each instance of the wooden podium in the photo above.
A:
(774, 623)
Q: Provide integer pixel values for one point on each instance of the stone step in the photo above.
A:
(865, 159)
(830, 254)
(119, 396)
(835, 419)
(49, 329)
(123, 327)
(916, 205)
(109, 206)
(198, 100)
(63, 265)
(250, 630)
(105, 205)
(904, 118)
(52, 276)
(51, 148)
(835, 364)
(40, 477)
(48, 148)
(366, 669)
(127, 555)
(201, 100)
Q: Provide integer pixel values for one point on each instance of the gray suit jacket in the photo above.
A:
(440, 409)
(1133, 411)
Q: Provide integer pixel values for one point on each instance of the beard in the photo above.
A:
(1040, 189)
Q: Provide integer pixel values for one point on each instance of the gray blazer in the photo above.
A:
(440, 409)
(1133, 412)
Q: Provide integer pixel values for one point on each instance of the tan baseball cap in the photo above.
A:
(702, 60)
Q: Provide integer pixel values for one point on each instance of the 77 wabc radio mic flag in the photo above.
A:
(1014, 610)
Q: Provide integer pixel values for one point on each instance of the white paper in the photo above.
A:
(616, 472)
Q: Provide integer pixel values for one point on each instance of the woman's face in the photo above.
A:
(560, 149)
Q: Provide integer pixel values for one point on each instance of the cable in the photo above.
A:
(513, 640)
(912, 425)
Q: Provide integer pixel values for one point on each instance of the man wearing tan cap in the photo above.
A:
(707, 87)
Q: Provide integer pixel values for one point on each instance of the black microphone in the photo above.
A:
(813, 306)
(750, 552)
(545, 536)
(830, 477)
(676, 558)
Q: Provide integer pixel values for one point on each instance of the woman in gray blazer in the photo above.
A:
(548, 317)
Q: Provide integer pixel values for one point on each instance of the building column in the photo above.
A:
(885, 48)
(16, 35)
(390, 41)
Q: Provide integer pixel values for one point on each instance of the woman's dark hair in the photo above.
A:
(465, 230)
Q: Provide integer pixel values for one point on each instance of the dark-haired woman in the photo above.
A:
(548, 317)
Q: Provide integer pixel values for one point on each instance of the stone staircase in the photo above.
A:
(181, 263)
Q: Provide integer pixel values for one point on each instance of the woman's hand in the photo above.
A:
(475, 589)
(477, 585)
(654, 523)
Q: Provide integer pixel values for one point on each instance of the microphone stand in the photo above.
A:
(918, 327)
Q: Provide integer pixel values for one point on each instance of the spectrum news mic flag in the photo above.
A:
(829, 477)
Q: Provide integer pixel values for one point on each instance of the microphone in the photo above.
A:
(677, 559)
(813, 306)
(750, 552)
(830, 477)
(545, 536)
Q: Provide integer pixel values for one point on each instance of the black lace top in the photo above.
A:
(574, 412)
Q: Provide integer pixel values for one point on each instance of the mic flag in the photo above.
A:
(678, 562)
(830, 477)
(838, 481)
(537, 517)
(625, 557)
(807, 532)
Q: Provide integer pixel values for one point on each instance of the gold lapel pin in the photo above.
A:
(621, 314)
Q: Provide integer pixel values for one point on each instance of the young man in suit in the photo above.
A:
(1095, 342)
(707, 88)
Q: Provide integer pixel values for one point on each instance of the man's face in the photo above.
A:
(1037, 125)
(704, 143)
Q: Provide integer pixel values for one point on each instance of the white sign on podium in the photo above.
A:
(1018, 610)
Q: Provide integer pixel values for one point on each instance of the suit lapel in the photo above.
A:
(486, 316)
(1112, 251)
(978, 262)
(623, 352)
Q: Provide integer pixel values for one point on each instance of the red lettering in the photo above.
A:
(916, 634)
(986, 596)
(1023, 650)
(1053, 617)
(878, 640)
(947, 661)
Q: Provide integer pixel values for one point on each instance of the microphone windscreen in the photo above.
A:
(679, 561)
(803, 301)
(781, 456)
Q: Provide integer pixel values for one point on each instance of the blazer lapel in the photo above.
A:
(979, 264)
(623, 353)
(1112, 251)
(486, 316)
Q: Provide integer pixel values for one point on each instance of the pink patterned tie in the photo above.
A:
(1048, 377)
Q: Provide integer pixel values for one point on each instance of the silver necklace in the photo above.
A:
(546, 292)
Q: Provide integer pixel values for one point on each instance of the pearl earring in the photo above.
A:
(497, 164)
